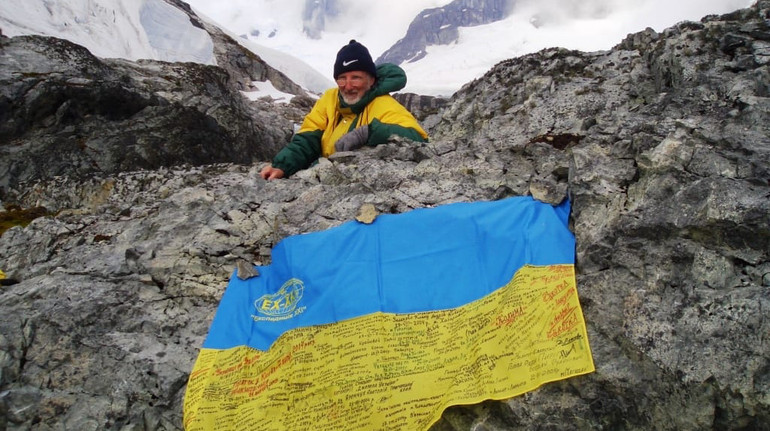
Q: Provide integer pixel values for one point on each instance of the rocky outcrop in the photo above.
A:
(66, 112)
(439, 26)
(666, 137)
(661, 144)
(424, 108)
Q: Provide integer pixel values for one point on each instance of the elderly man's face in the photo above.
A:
(353, 85)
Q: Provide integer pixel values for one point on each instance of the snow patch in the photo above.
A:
(172, 36)
(266, 89)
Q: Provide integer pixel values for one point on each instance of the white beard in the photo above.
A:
(351, 100)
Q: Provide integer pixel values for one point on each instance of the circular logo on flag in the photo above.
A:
(283, 302)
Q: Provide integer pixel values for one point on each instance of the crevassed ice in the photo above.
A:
(172, 36)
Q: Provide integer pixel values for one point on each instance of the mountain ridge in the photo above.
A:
(439, 26)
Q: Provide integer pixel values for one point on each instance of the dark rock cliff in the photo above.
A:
(66, 112)
(662, 144)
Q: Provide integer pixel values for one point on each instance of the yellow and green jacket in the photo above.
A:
(331, 118)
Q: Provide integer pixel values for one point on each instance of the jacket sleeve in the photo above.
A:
(379, 133)
(300, 153)
(388, 117)
(305, 146)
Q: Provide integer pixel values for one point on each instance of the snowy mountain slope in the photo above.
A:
(280, 24)
(295, 69)
(588, 25)
(537, 24)
(277, 31)
(440, 26)
(140, 29)
(133, 30)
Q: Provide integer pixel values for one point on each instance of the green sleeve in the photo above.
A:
(379, 133)
(300, 153)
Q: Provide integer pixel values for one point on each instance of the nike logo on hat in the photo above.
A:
(348, 63)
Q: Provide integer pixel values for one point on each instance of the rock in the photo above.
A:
(548, 191)
(245, 270)
(424, 108)
(367, 214)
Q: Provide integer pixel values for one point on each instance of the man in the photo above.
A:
(360, 111)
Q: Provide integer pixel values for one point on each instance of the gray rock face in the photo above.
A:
(668, 149)
(66, 112)
(439, 26)
(661, 143)
(424, 108)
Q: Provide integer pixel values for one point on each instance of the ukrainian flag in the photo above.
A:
(382, 326)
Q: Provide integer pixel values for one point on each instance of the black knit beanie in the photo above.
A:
(354, 56)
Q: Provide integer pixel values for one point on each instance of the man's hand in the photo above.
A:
(271, 173)
(352, 140)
